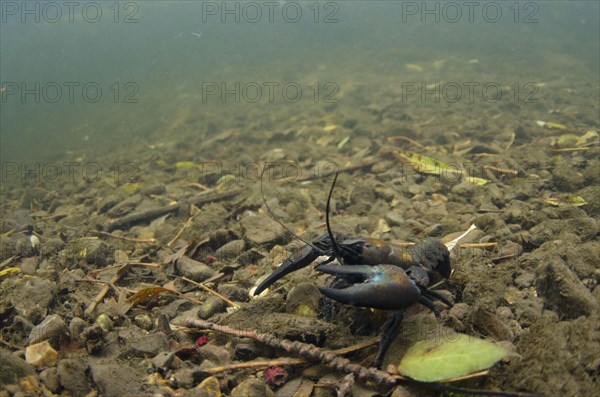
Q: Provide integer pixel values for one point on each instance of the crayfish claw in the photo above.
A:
(380, 287)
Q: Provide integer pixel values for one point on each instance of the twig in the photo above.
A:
(197, 200)
(478, 245)
(511, 141)
(8, 344)
(180, 232)
(8, 261)
(404, 138)
(211, 291)
(308, 177)
(571, 149)
(379, 378)
(311, 352)
(501, 170)
(134, 240)
(90, 309)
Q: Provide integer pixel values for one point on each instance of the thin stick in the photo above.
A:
(8, 261)
(310, 352)
(92, 306)
(478, 245)
(211, 291)
(134, 240)
(501, 170)
(404, 138)
(180, 232)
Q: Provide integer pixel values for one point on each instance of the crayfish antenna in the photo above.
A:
(336, 249)
(272, 215)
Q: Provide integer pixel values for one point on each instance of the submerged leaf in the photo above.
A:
(9, 271)
(435, 360)
(426, 165)
(151, 293)
(567, 200)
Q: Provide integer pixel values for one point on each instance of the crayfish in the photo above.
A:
(380, 275)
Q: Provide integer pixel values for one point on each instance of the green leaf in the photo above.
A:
(455, 356)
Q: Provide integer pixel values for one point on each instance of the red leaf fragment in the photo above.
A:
(275, 375)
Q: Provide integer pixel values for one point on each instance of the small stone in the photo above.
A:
(563, 291)
(460, 311)
(49, 377)
(41, 355)
(163, 360)
(261, 230)
(149, 345)
(73, 377)
(194, 270)
(303, 300)
(144, 321)
(76, 327)
(393, 218)
(230, 250)
(13, 368)
(115, 380)
(217, 354)
(93, 252)
(252, 387)
(32, 297)
(53, 328)
(29, 265)
(105, 323)
(525, 280)
(211, 306)
(245, 350)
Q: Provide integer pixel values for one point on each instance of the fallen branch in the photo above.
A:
(154, 213)
(380, 378)
(325, 356)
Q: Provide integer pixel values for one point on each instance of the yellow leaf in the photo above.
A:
(426, 165)
(9, 271)
(329, 127)
(566, 200)
(6, 234)
(186, 165)
(151, 293)
(477, 181)
(130, 188)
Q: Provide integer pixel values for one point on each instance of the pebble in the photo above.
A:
(261, 230)
(29, 265)
(211, 306)
(93, 252)
(563, 291)
(230, 250)
(51, 247)
(105, 323)
(252, 387)
(525, 279)
(53, 328)
(217, 354)
(76, 327)
(460, 311)
(293, 327)
(144, 321)
(163, 360)
(73, 377)
(149, 345)
(49, 377)
(245, 350)
(115, 380)
(41, 355)
(303, 300)
(32, 297)
(193, 269)
(13, 368)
